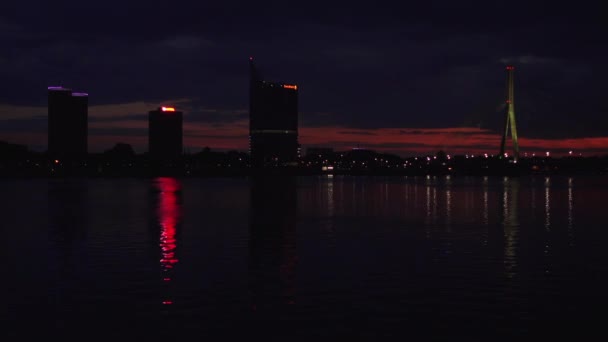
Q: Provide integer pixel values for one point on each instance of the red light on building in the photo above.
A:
(290, 86)
(510, 67)
(167, 109)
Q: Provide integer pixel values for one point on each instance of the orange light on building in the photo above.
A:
(290, 86)
(167, 109)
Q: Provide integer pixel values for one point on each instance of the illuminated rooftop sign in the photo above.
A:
(290, 86)
(167, 109)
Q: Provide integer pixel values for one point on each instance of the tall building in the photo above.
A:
(165, 142)
(67, 124)
(273, 121)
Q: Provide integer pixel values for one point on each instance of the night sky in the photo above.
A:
(409, 78)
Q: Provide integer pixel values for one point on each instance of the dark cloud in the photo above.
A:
(118, 131)
(209, 115)
(208, 136)
(35, 124)
(119, 118)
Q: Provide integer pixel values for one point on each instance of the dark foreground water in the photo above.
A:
(312, 258)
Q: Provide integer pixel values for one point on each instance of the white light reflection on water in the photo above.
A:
(428, 204)
(330, 195)
(435, 205)
(547, 249)
(427, 219)
(485, 201)
(329, 222)
(448, 202)
(570, 205)
(510, 224)
(547, 203)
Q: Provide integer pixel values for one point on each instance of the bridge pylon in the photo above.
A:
(510, 124)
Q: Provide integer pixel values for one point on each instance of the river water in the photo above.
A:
(301, 258)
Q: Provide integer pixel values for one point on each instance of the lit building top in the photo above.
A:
(80, 94)
(279, 85)
(58, 88)
(167, 109)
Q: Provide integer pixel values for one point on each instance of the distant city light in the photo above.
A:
(547, 153)
(167, 109)
(290, 86)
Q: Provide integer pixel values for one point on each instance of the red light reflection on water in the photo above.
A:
(168, 213)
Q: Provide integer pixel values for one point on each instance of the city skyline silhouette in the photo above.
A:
(409, 80)
(460, 140)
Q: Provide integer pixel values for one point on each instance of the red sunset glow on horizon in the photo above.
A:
(401, 141)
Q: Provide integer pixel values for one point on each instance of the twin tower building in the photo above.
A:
(273, 125)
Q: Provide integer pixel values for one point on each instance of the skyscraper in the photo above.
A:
(67, 124)
(273, 121)
(165, 134)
